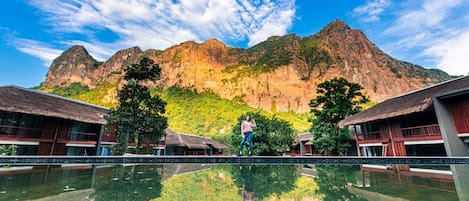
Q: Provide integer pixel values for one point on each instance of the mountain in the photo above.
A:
(71, 66)
(279, 74)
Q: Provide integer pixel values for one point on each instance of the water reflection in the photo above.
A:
(235, 182)
(247, 181)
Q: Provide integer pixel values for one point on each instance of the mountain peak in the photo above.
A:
(71, 66)
(213, 42)
(76, 49)
(335, 26)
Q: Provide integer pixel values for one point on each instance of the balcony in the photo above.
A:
(23, 132)
(82, 136)
(421, 131)
(369, 136)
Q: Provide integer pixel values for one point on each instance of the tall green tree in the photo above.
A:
(337, 99)
(139, 115)
(272, 136)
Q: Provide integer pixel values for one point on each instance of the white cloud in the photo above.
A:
(429, 16)
(275, 24)
(452, 54)
(37, 49)
(436, 32)
(163, 23)
(371, 11)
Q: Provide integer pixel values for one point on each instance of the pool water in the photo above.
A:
(234, 182)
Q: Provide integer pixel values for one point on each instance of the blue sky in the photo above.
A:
(430, 33)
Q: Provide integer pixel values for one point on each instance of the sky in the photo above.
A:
(429, 33)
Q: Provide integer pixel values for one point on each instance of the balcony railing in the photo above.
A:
(421, 131)
(369, 136)
(81, 136)
(14, 131)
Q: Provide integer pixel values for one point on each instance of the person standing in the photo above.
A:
(246, 131)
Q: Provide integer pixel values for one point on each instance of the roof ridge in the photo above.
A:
(194, 135)
(55, 96)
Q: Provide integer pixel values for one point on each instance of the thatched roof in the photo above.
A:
(17, 99)
(301, 137)
(191, 141)
(415, 101)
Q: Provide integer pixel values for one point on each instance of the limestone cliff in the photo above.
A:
(280, 73)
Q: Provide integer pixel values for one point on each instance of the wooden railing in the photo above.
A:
(421, 131)
(81, 136)
(14, 131)
(369, 136)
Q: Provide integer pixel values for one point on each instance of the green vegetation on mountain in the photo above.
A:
(209, 115)
(274, 51)
(104, 94)
(205, 113)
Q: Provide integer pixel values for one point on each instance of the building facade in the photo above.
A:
(43, 124)
(185, 144)
(433, 121)
(303, 145)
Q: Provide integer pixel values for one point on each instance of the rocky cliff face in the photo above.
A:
(71, 66)
(280, 73)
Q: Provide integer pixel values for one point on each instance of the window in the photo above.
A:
(426, 150)
(371, 127)
(26, 150)
(372, 150)
(81, 151)
(21, 125)
(11, 119)
(84, 131)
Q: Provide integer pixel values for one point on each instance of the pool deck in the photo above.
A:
(58, 160)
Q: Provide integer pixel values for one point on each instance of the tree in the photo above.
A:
(139, 115)
(271, 137)
(337, 99)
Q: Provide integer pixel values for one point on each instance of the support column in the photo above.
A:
(454, 146)
(98, 143)
(302, 148)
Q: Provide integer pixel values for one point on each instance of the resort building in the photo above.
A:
(433, 121)
(185, 144)
(303, 145)
(39, 123)
(44, 124)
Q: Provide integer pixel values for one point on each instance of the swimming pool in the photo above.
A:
(193, 181)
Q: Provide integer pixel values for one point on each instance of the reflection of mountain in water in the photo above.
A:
(234, 182)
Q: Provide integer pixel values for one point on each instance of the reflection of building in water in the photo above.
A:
(169, 170)
(433, 121)
(308, 170)
(404, 182)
